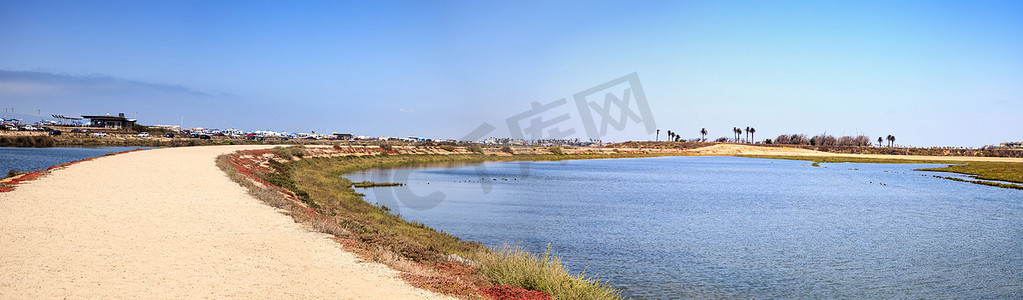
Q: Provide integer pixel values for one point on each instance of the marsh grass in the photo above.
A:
(1002, 171)
(982, 182)
(13, 173)
(289, 152)
(27, 141)
(513, 266)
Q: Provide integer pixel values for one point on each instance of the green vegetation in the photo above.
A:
(475, 149)
(997, 184)
(555, 150)
(507, 149)
(1003, 171)
(27, 141)
(544, 272)
(13, 173)
(289, 152)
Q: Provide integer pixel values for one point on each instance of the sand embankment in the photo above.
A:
(735, 149)
(168, 223)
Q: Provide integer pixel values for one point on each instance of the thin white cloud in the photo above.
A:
(406, 110)
(36, 82)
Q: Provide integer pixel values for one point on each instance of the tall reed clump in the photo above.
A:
(513, 266)
(289, 152)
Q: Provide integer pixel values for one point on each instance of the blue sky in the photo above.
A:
(928, 72)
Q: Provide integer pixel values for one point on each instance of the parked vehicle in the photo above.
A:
(76, 130)
(54, 132)
(169, 135)
(194, 135)
(204, 137)
(99, 134)
(144, 134)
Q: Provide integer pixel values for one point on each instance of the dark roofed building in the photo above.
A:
(118, 121)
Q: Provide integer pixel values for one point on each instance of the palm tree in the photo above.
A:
(891, 139)
(703, 134)
(751, 131)
(735, 133)
(879, 141)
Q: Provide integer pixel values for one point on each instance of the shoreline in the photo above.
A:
(323, 166)
(170, 200)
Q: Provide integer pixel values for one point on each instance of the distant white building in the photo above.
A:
(233, 132)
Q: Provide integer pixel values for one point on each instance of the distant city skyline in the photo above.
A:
(937, 73)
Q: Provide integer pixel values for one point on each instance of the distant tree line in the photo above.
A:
(823, 140)
(787, 139)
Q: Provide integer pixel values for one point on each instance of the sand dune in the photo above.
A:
(168, 223)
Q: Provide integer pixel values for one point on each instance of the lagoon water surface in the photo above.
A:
(31, 159)
(730, 227)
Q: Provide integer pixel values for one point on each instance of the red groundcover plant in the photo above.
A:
(502, 292)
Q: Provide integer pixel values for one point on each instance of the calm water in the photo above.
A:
(31, 159)
(728, 227)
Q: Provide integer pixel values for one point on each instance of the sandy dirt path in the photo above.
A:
(734, 149)
(168, 223)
